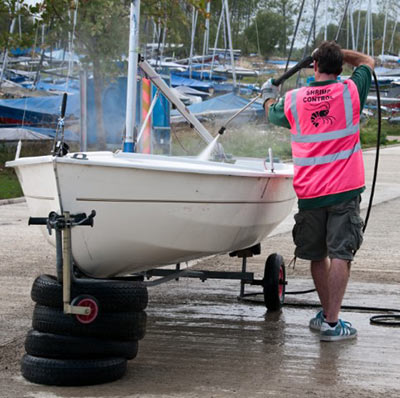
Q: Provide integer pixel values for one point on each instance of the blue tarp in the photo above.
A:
(227, 102)
(37, 111)
(183, 81)
(18, 52)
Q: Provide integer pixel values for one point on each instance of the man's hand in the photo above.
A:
(269, 91)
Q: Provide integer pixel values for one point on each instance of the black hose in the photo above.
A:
(383, 320)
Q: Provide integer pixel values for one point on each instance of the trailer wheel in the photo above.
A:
(274, 282)
(72, 372)
(110, 325)
(49, 345)
(86, 301)
(112, 296)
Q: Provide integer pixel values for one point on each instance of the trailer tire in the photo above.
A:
(111, 325)
(274, 282)
(113, 296)
(50, 345)
(72, 372)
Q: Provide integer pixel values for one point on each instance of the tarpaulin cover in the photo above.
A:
(49, 105)
(227, 102)
(183, 81)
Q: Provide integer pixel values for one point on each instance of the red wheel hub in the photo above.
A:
(281, 281)
(94, 310)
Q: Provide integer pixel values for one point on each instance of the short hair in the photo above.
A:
(329, 57)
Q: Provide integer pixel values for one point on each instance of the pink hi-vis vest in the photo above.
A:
(326, 147)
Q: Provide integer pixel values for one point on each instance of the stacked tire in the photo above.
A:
(70, 350)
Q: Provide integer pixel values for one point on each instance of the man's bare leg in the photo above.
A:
(320, 274)
(338, 277)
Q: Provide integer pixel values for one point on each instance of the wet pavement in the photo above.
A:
(202, 342)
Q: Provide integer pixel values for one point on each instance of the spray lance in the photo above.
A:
(304, 63)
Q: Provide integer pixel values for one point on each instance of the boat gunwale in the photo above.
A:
(220, 169)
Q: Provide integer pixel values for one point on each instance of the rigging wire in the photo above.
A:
(342, 20)
(294, 35)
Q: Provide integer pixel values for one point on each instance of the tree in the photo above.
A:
(286, 9)
(23, 35)
(268, 24)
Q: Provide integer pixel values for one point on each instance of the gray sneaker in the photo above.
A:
(316, 322)
(342, 331)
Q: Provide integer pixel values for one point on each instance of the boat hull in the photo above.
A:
(150, 214)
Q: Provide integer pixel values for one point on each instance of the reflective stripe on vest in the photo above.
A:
(327, 158)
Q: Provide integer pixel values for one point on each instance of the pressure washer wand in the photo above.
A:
(304, 63)
(223, 128)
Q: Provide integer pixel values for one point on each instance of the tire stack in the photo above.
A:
(62, 350)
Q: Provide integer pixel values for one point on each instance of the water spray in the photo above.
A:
(304, 63)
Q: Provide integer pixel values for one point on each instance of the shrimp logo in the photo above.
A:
(321, 114)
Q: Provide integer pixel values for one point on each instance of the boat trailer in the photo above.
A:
(273, 283)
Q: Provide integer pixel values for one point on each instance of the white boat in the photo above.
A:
(228, 70)
(156, 210)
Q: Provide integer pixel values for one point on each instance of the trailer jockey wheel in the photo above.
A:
(86, 301)
(274, 282)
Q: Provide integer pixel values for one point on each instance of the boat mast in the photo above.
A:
(326, 20)
(228, 26)
(129, 145)
(216, 39)
(206, 36)
(5, 55)
(353, 41)
(194, 23)
(384, 29)
(358, 25)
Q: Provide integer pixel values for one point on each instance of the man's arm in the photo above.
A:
(354, 58)
(267, 104)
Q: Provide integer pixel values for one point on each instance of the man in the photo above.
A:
(328, 174)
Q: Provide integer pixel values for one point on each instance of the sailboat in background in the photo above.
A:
(154, 210)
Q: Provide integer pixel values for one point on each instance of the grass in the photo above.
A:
(369, 131)
(9, 184)
(245, 139)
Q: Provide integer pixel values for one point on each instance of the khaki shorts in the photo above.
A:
(334, 231)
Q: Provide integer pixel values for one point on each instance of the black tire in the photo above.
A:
(274, 282)
(49, 345)
(117, 325)
(72, 372)
(113, 296)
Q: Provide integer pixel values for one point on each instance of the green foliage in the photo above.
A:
(268, 23)
(9, 184)
(23, 35)
(369, 129)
